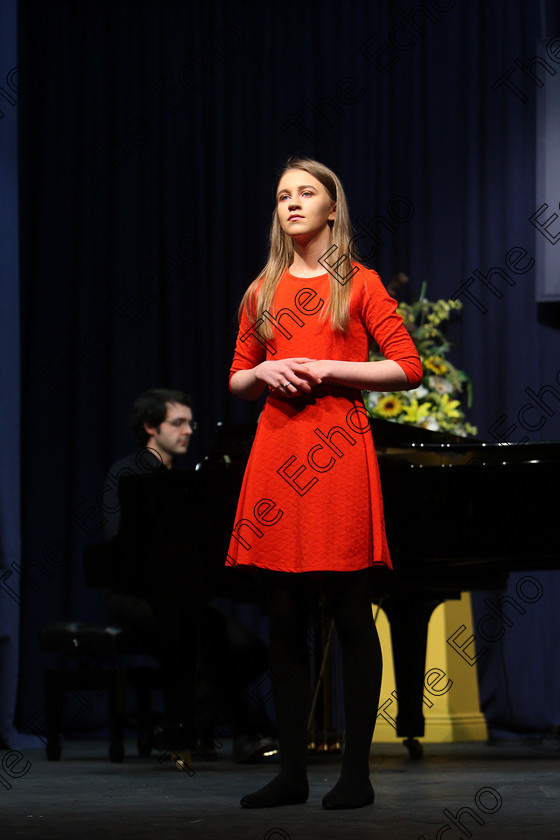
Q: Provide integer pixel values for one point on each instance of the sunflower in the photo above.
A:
(389, 406)
(432, 405)
(436, 364)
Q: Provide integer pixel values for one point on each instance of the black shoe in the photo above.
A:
(248, 749)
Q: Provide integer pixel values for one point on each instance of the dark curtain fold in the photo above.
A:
(150, 136)
(516, 634)
(11, 85)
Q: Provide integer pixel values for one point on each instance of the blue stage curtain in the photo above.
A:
(517, 649)
(150, 138)
(11, 82)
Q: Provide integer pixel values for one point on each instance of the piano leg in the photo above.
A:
(409, 616)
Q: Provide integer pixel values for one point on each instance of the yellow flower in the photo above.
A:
(389, 406)
(416, 411)
(437, 364)
(449, 407)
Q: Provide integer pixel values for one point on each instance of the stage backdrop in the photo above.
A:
(150, 136)
(10, 559)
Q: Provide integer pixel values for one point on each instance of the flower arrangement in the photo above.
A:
(436, 403)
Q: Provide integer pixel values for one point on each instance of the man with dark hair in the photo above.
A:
(152, 409)
(161, 584)
(162, 423)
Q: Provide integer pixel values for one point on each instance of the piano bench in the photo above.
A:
(92, 654)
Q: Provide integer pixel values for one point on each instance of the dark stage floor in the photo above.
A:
(495, 792)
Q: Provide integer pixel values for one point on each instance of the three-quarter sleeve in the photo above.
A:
(250, 347)
(385, 325)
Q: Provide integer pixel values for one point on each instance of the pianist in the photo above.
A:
(202, 652)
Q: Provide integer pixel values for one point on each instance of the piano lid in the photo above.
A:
(404, 444)
(421, 447)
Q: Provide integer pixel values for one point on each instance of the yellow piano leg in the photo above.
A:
(451, 704)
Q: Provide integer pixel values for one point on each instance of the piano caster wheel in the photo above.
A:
(414, 747)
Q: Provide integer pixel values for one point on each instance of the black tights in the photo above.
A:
(289, 599)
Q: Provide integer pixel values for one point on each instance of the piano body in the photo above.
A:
(474, 512)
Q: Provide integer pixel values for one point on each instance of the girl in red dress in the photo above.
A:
(310, 509)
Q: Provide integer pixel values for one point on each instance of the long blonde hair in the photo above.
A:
(260, 294)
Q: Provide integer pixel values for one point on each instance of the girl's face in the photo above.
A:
(304, 206)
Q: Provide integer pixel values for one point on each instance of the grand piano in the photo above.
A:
(474, 512)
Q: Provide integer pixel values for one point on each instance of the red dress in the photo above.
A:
(311, 496)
